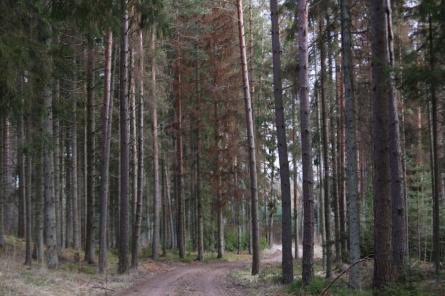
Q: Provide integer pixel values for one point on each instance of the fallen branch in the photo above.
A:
(345, 271)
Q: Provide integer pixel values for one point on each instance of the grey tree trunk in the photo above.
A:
(156, 173)
(200, 214)
(286, 201)
(435, 146)
(306, 145)
(324, 127)
(106, 129)
(251, 143)
(140, 156)
(5, 135)
(28, 205)
(38, 213)
(21, 163)
(295, 177)
(74, 179)
(351, 144)
(90, 246)
(124, 149)
(180, 199)
(381, 86)
(48, 163)
(396, 166)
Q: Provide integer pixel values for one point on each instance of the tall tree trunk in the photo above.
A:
(324, 125)
(91, 147)
(3, 195)
(295, 176)
(48, 163)
(306, 145)
(381, 86)
(200, 214)
(38, 213)
(28, 204)
(251, 143)
(74, 179)
(351, 144)
(435, 153)
(156, 175)
(21, 162)
(140, 156)
(341, 160)
(56, 158)
(396, 166)
(286, 201)
(180, 200)
(124, 149)
(106, 129)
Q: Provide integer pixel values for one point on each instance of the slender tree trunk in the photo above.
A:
(50, 209)
(286, 201)
(124, 149)
(56, 158)
(200, 214)
(306, 145)
(295, 176)
(154, 118)
(381, 86)
(341, 161)
(251, 143)
(74, 180)
(140, 156)
(351, 145)
(335, 192)
(324, 125)
(396, 166)
(435, 154)
(91, 143)
(106, 129)
(21, 162)
(28, 204)
(180, 200)
(5, 132)
(164, 223)
(220, 215)
(38, 229)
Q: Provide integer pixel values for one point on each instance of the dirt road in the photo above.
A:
(197, 279)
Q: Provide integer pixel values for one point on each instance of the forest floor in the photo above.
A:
(172, 276)
(228, 277)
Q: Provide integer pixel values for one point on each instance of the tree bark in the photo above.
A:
(124, 149)
(90, 247)
(324, 126)
(306, 145)
(154, 119)
(396, 167)
(381, 86)
(21, 162)
(38, 214)
(140, 156)
(251, 143)
(106, 129)
(286, 201)
(180, 199)
(48, 163)
(351, 144)
(435, 154)
(28, 204)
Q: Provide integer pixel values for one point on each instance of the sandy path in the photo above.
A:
(198, 279)
(195, 279)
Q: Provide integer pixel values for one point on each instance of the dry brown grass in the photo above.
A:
(70, 278)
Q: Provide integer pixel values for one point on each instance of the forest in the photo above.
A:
(222, 147)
